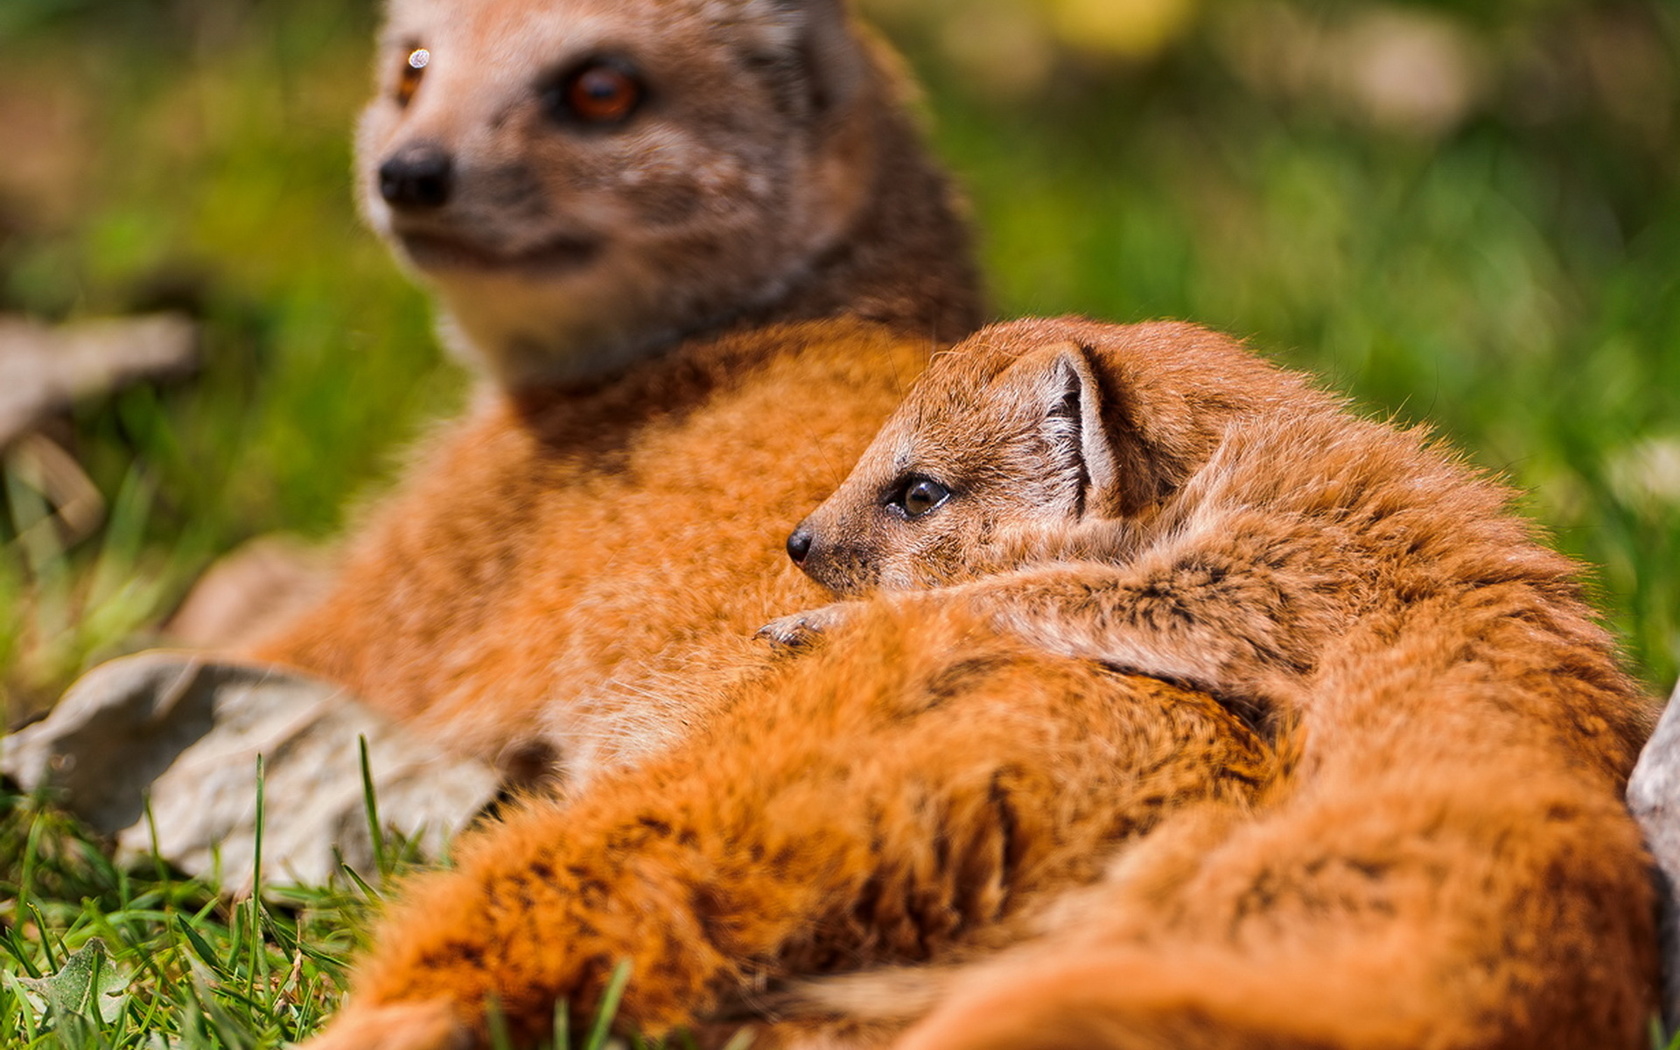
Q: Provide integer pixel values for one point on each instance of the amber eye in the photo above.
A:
(408, 78)
(602, 92)
(921, 495)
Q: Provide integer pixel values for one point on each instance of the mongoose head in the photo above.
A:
(1029, 430)
(582, 180)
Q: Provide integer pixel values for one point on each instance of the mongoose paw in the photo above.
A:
(431, 1025)
(803, 629)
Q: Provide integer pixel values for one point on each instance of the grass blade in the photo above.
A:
(608, 1008)
(370, 805)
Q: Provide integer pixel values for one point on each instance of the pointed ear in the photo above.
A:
(830, 49)
(1063, 390)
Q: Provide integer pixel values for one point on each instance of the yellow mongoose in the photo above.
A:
(1160, 500)
(1442, 860)
(614, 201)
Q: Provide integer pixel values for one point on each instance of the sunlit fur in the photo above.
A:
(1436, 857)
(771, 174)
(573, 566)
(1451, 865)
(915, 793)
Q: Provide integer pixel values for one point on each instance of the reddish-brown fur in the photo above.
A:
(1444, 861)
(559, 558)
(1452, 859)
(911, 794)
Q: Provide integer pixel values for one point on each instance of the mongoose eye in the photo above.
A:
(920, 495)
(408, 78)
(602, 92)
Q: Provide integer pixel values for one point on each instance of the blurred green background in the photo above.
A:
(1465, 212)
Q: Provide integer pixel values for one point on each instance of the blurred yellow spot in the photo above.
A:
(1133, 28)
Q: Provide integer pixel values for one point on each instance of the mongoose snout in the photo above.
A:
(838, 552)
(799, 544)
(417, 177)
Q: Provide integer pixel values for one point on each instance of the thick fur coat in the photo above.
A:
(913, 796)
(566, 576)
(1433, 854)
(1449, 865)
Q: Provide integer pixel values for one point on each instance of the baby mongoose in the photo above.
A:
(1158, 498)
(1154, 497)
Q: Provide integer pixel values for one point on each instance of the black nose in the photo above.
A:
(799, 545)
(418, 177)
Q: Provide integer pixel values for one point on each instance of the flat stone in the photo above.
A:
(43, 369)
(185, 731)
(1653, 796)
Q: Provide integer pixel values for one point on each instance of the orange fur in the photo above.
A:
(1452, 855)
(1442, 861)
(562, 558)
(909, 794)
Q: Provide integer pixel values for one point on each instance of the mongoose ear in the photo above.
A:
(831, 48)
(1072, 402)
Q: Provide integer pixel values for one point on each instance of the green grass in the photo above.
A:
(100, 956)
(94, 956)
(1515, 280)
(216, 179)
(103, 958)
(106, 957)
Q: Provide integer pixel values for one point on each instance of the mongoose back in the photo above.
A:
(700, 248)
(1157, 498)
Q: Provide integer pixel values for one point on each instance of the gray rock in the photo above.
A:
(1653, 796)
(185, 730)
(43, 369)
